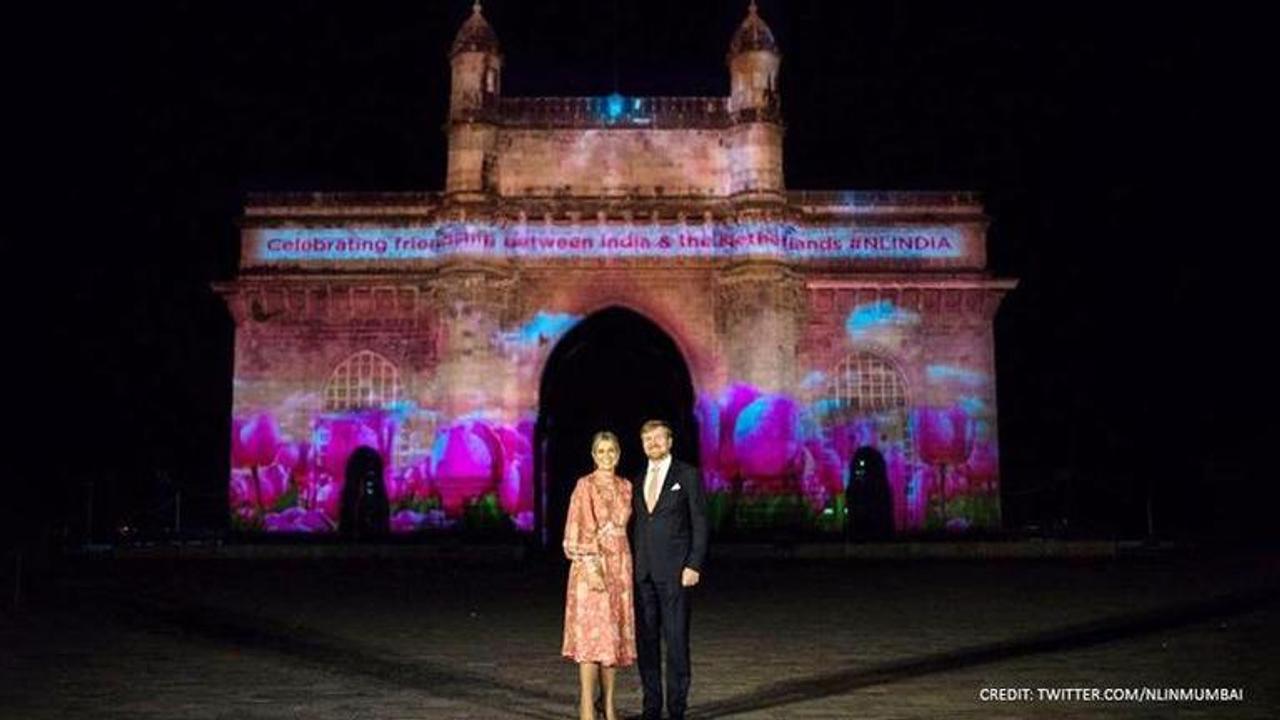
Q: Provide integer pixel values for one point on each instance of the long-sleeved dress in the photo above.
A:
(599, 625)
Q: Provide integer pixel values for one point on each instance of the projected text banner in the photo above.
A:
(376, 245)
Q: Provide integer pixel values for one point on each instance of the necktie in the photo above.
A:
(651, 488)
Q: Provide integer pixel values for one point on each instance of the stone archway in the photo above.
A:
(612, 371)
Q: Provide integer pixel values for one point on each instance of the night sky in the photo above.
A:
(1129, 358)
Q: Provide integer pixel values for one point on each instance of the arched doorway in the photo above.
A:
(612, 371)
(365, 510)
(868, 497)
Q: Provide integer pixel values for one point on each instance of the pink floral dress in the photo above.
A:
(599, 624)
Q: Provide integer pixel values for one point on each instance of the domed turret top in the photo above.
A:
(752, 34)
(475, 35)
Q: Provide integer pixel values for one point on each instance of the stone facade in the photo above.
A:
(422, 322)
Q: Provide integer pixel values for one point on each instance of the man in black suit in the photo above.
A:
(668, 546)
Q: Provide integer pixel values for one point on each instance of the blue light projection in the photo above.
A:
(972, 404)
(814, 379)
(955, 375)
(613, 106)
(867, 318)
(543, 329)
(825, 406)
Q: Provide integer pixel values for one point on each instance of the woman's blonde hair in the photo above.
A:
(603, 436)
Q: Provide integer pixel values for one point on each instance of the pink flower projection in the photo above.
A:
(766, 443)
(732, 402)
(820, 475)
(917, 498)
(475, 457)
(327, 497)
(245, 515)
(412, 485)
(403, 486)
(273, 483)
(298, 520)
(295, 456)
(827, 467)
(407, 521)
(266, 469)
(346, 433)
(515, 487)
(847, 438)
(773, 447)
(464, 461)
(899, 474)
(254, 441)
(943, 439)
(524, 521)
(303, 472)
(957, 484)
(942, 434)
(469, 459)
(758, 438)
(339, 436)
(243, 492)
(258, 481)
(258, 490)
(982, 467)
(707, 414)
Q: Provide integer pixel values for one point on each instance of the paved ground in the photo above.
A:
(405, 638)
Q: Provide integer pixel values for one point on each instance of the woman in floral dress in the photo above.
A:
(599, 614)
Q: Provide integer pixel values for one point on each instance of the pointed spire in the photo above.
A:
(752, 34)
(475, 35)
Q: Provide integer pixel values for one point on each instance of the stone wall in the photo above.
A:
(612, 162)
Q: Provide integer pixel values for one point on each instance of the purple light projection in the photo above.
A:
(768, 458)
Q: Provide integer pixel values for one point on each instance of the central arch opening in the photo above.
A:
(612, 371)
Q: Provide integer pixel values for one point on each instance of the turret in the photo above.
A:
(754, 104)
(473, 103)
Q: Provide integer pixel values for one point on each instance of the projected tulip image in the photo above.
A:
(868, 440)
(767, 460)
(778, 462)
(476, 474)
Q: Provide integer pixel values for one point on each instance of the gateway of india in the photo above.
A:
(431, 362)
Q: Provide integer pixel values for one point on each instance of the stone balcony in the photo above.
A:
(613, 111)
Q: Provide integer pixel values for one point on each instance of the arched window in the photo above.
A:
(865, 384)
(871, 394)
(368, 380)
(364, 380)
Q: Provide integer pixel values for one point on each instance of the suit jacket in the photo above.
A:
(674, 536)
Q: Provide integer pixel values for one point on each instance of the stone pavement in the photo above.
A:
(411, 638)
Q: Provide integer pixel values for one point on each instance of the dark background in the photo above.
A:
(1111, 144)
